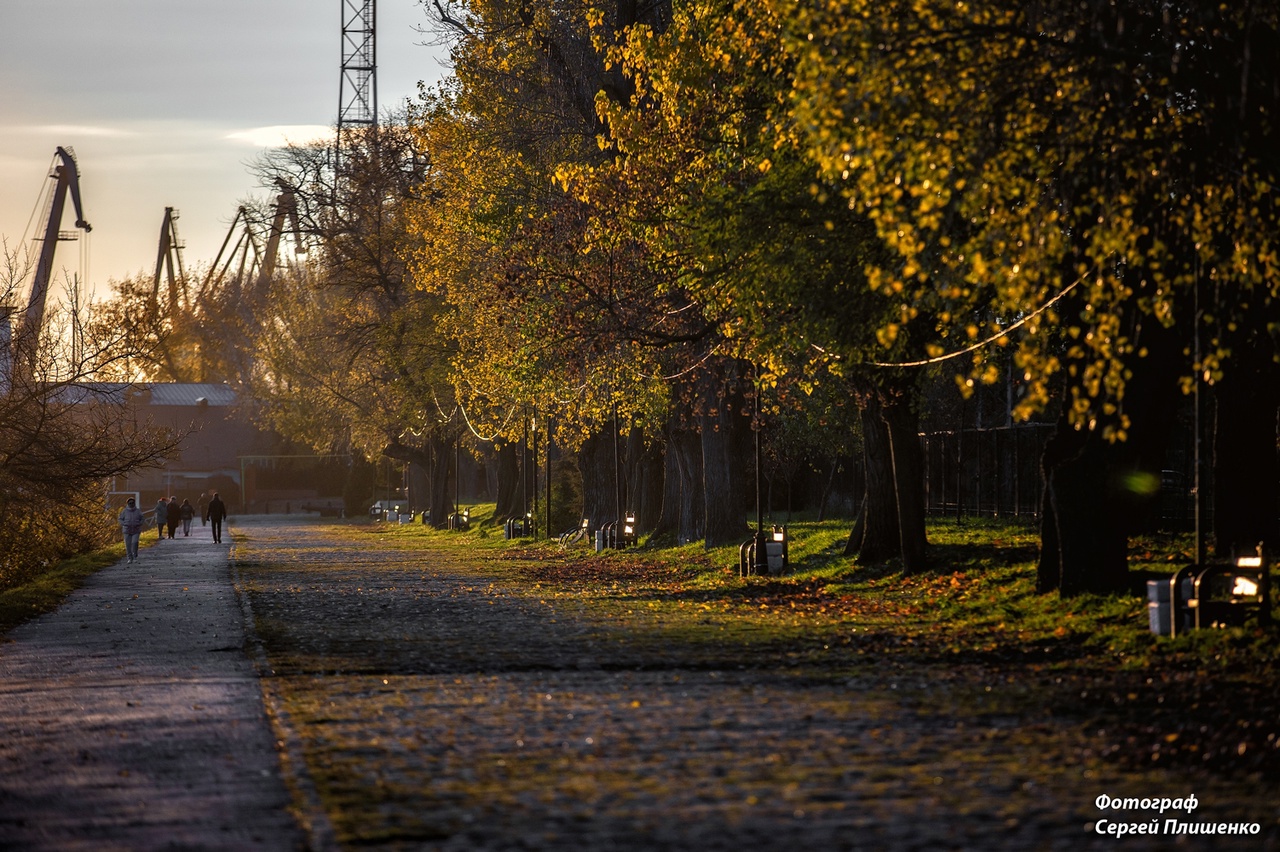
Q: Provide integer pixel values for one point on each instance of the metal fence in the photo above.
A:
(993, 472)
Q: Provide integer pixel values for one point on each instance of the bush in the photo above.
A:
(39, 532)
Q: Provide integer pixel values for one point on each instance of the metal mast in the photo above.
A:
(358, 88)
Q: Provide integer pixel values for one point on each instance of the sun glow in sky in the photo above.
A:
(165, 102)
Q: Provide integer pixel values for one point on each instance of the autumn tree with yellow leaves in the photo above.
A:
(1090, 185)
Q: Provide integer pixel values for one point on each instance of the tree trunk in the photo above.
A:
(441, 496)
(723, 464)
(826, 491)
(645, 498)
(507, 465)
(1097, 492)
(723, 518)
(1245, 475)
(907, 461)
(436, 459)
(686, 447)
(1084, 546)
(880, 539)
(668, 522)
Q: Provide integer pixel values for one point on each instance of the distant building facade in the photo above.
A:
(217, 438)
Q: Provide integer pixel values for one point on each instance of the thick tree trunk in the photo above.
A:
(1097, 493)
(507, 470)
(437, 460)
(1245, 474)
(440, 482)
(906, 457)
(724, 462)
(645, 495)
(668, 522)
(880, 538)
(686, 447)
(1084, 544)
(599, 496)
(723, 507)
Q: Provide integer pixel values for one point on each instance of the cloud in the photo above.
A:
(75, 130)
(280, 135)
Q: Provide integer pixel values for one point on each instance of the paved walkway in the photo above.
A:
(131, 718)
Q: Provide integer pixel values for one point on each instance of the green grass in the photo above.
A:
(46, 592)
(978, 596)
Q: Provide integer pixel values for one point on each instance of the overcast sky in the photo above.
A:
(164, 101)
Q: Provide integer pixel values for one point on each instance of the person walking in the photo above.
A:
(171, 516)
(187, 512)
(131, 522)
(162, 511)
(217, 512)
(203, 504)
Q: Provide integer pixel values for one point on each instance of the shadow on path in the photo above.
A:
(131, 717)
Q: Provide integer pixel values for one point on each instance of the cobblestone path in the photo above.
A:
(433, 701)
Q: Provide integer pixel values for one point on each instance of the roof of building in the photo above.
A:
(191, 393)
(163, 393)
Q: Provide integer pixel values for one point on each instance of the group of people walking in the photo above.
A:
(170, 515)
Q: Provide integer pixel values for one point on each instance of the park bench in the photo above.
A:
(1224, 594)
(774, 560)
(460, 520)
(518, 527)
(576, 534)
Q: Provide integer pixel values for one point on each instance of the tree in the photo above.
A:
(1064, 178)
(348, 354)
(757, 239)
(63, 434)
(555, 302)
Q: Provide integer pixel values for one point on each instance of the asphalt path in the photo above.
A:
(132, 719)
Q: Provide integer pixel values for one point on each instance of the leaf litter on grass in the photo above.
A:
(450, 695)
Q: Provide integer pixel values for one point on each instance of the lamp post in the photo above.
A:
(617, 469)
(761, 562)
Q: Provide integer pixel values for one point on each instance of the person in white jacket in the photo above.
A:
(131, 525)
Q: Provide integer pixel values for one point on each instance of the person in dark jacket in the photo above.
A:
(173, 515)
(217, 512)
(187, 512)
(162, 510)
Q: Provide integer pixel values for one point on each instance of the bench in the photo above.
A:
(1225, 594)
(518, 527)
(576, 534)
(460, 520)
(773, 560)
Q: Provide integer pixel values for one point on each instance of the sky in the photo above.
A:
(164, 102)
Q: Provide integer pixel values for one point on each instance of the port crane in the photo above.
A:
(245, 249)
(67, 178)
(252, 261)
(286, 207)
(169, 258)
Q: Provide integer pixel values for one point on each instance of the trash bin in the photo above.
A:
(1159, 607)
(773, 551)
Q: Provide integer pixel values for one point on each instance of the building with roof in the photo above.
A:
(217, 439)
